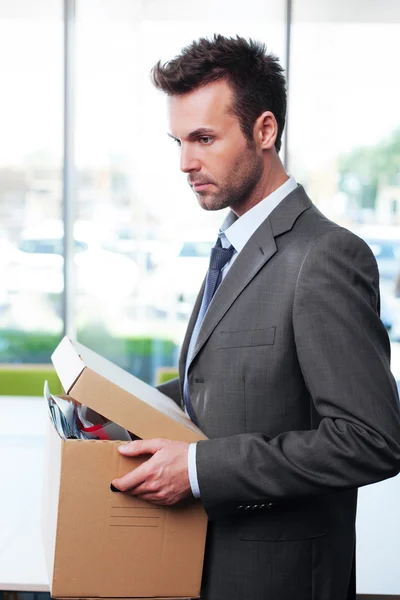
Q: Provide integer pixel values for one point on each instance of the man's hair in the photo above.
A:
(254, 75)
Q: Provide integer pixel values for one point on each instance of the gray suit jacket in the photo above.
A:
(290, 380)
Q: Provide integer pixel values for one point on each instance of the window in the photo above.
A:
(344, 126)
(131, 192)
(30, 179)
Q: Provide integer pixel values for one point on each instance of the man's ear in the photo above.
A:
(265, 131)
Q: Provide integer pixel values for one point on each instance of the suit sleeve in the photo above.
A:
(344, 355)
(172, 389)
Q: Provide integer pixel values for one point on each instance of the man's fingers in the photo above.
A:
(139, 475)
(130, 480)
(163, 478)
(143, 489)
(139, 447)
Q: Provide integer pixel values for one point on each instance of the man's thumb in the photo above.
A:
(139, 447)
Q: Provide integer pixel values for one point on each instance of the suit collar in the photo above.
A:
(287, 212)
(238, 231)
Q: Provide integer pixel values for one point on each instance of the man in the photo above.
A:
(285, 364)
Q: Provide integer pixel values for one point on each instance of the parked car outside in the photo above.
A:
(37, 266)
(175, 285)
(384, 242)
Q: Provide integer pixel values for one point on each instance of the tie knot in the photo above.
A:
(220, 256)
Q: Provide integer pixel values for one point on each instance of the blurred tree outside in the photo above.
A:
(367, 174)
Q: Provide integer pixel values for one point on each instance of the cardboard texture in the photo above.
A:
(103, 544)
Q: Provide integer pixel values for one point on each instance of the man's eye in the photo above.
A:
(177, 141)
(205, 140)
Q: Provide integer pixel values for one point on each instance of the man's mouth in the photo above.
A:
(198, 186)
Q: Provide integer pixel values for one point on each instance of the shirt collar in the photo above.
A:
(237, 231)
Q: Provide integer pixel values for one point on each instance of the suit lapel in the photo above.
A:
(188, 334)
(250, 260)
(256, 253)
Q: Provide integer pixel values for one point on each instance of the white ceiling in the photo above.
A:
(193, 10)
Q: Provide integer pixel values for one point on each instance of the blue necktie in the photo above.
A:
(218, 259)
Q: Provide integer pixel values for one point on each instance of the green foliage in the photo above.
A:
(165, 375)
(363, 170)
(27, 347)
(102, 342)
(140, 355)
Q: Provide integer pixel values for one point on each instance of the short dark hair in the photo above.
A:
(255, 76)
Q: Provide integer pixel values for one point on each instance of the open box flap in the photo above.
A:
(70, 360)
(67, 362)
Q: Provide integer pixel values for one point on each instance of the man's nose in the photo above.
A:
(189, 160)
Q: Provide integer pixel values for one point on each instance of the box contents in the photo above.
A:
(70, 420)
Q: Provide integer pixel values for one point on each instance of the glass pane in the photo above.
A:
(31, 279)
(344, 128)
(152, 239)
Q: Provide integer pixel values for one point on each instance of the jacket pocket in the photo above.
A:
(295, 523)
(238, 338)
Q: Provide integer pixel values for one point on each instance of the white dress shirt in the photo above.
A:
(237, 232)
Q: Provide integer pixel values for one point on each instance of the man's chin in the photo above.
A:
(208, 202)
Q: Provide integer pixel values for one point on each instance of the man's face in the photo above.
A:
(222, 168)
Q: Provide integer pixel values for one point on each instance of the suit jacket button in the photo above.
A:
(269, 506)
(263, 505)
(240, 507)
(247, 507)
(254, 506)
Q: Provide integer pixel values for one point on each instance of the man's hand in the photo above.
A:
(163, 479)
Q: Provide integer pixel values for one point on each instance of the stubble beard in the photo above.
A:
(237, 188)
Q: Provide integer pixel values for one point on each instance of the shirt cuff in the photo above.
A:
(192, 470)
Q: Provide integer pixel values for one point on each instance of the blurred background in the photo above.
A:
(102, 239)
(100, 235)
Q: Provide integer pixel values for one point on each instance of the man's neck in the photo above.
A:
(274, 175)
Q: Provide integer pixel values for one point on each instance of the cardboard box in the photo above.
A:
(102, 544)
